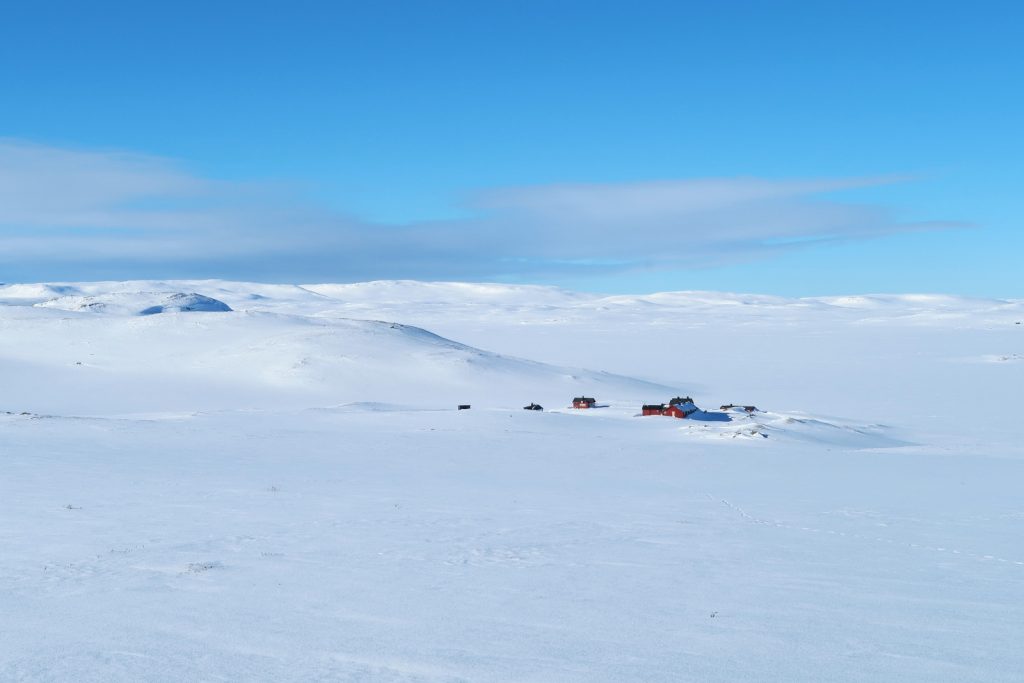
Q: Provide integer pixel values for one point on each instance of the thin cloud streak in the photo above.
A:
(68, 214)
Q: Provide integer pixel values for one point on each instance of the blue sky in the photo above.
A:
(797, 148)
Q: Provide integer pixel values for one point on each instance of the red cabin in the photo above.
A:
(583, 402)
(680, 410)
(681, 407)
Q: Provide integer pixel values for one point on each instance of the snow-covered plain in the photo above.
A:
(210, 480)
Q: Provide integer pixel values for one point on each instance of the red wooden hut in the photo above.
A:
(583, 402)
(654, 409)
(681, 407)
(681, 410)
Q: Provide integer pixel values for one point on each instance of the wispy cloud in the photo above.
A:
(75, 214)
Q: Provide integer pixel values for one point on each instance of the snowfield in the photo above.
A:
(210, 480)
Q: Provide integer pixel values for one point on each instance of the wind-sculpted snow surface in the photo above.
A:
(286, 491)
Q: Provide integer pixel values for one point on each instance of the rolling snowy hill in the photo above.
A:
(101, 353)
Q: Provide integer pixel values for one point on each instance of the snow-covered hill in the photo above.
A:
(137, 303)
(101, 353)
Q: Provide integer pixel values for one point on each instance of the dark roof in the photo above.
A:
(654, 406)
(583, 399)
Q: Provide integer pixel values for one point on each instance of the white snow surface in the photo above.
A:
(272, 482)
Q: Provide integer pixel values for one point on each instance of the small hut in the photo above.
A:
(583, 402)
(533, 406)
(654, 409)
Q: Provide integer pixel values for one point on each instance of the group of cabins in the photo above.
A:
(680, 406)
